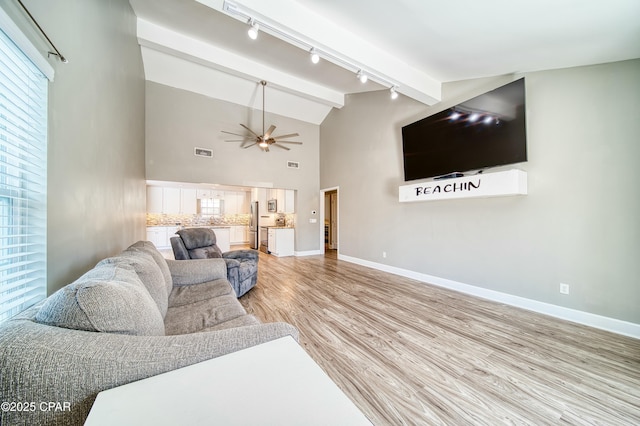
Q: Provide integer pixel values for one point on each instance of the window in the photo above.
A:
(211, 207)
(23, 179)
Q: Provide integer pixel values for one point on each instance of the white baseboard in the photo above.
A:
(592, 320)
(308, 253)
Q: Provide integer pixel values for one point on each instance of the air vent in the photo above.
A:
(203, 152)
(293, 164)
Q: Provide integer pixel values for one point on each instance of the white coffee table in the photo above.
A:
(276, 383)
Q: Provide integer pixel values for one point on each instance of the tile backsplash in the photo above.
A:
(157, 219)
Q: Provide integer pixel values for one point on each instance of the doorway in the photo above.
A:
(330, 218)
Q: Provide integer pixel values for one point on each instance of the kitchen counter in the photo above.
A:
(209, 226)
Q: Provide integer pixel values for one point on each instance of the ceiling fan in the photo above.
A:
(265, 140)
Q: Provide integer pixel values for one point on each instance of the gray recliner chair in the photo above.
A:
(200, 243)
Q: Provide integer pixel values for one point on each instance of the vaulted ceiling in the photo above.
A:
(416, 45)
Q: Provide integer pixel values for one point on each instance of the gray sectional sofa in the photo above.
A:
(133, 316)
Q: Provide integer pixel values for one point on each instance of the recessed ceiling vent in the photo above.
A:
(203, 152)
(293, 164)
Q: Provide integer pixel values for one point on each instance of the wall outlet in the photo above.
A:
(384, 254)
(564, 288)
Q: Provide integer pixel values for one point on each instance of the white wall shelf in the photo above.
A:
(498, 184)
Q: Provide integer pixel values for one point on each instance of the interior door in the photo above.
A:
(333, 220)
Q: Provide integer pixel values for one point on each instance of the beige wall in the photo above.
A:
(96, 186)
(178, 120)
(578, 224)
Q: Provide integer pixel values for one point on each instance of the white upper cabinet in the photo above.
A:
(188, 201)
(284, 200)
(167, 200)
(180, 200)
(209, 193)
(154, 199)
(171, 201)
(289, 201)
(235, 202)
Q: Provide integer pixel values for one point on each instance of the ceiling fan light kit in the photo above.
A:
(265, 140)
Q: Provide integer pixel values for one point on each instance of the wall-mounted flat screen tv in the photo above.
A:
(486, 131)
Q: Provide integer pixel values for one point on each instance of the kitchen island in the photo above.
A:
(280, 240)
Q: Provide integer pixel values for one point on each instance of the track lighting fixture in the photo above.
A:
(274, 29)
(315, 58)
(253, 31)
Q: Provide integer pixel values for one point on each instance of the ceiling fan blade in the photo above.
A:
(286, 136)
(235, 134)
(257, 135)
(250, 145)
(283, 147)
(295, 142)
(238, 140)
(268, 134)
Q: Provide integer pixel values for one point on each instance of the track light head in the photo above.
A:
(362, 76)
(253, 31)
(315, 58)
(394, 92)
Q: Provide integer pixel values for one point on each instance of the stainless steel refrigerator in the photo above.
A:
(254, 226)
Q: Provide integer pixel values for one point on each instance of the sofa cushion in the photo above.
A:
(199, 316)
(242, 321)
(148, 272)
(186, 294)
(148, 247)
(196, 271)
(109, 298)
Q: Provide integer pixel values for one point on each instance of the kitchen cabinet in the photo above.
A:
(244, 201)
(262, 201)
(286, 201)
(239, 234)
(157, 235)
(167, 200)
(188, 201)
(235, 202)
(203, 193)
(278, 195)
(171, 200)
(209, 193)
(223, 238)
(160, 235)
(154, 199)
(281, 241)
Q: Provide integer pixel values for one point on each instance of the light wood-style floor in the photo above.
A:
(410, 353)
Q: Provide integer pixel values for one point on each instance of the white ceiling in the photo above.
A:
(415, 44)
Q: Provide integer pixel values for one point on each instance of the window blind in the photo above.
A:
(23, 180)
